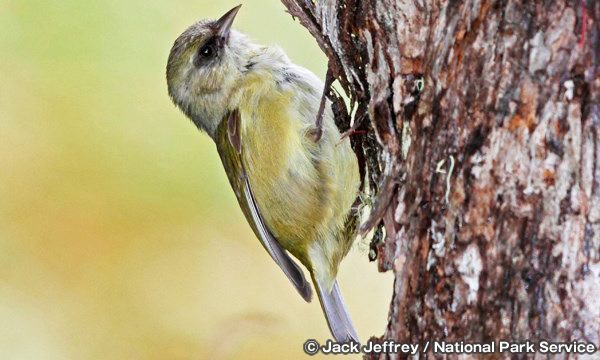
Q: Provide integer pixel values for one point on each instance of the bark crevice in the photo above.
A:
(488, 181)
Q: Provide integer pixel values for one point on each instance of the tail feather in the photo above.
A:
(336, 313)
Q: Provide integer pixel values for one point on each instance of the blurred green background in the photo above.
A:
(120, 237)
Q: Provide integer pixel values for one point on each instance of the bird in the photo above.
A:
(296, 190)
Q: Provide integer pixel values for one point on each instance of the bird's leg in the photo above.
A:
(319, 123)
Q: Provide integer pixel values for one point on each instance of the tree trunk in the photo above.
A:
(487, 181)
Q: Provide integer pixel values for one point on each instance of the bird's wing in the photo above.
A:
(229, 146)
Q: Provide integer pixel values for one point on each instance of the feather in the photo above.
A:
(229, 148)
(336, 312)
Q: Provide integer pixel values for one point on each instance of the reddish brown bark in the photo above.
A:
(487, 182)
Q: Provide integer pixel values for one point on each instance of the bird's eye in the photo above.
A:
(207, 51)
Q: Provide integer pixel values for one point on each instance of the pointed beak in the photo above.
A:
(223, 25)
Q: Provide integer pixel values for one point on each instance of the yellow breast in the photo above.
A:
(303, 189)
(280, 170)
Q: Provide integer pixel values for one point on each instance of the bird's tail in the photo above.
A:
(337, 316)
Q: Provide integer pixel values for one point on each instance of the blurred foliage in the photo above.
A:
(119, 235)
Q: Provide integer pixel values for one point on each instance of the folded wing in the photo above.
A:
(229, 146)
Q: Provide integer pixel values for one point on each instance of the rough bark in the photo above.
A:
(487, 182)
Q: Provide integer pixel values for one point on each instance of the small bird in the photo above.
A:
(296, 189)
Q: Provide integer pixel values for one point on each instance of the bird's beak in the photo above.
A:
(223, 25)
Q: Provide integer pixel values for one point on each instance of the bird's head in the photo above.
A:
(204, 66)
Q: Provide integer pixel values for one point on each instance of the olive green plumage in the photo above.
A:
(296, 191)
